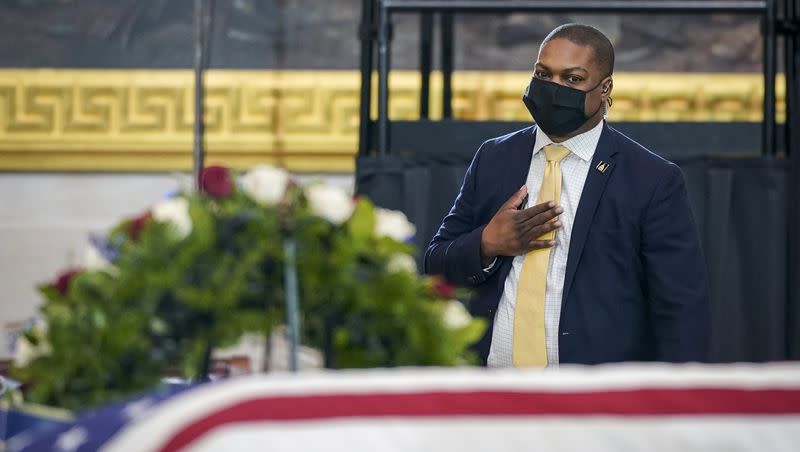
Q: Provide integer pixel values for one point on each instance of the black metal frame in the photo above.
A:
(199, 65)
(788, 25)
(366, 34)
(381, 27)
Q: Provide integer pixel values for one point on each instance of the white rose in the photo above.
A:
(330, 203)
(455, 315)
(265, 184)
(393, 224)
(25, 351)
(400, 262)
(93, 260)
(176, 212)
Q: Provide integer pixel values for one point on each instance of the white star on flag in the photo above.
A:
(136, 409)
(72, 439)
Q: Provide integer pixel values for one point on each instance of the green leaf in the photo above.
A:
(361, 225)
(50, 293)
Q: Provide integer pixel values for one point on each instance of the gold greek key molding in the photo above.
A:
(141, 120)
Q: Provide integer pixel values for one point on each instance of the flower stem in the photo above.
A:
(292, 300)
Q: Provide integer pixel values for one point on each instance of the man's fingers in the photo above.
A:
(530, 212)
(540, 218)
(539, 244)
(516, 199)
(537, 231)
(529, 218)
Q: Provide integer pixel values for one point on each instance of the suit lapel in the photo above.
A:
(519, 162)
(599, 173)
(517, 165)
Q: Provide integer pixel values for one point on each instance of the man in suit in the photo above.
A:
(580, 242)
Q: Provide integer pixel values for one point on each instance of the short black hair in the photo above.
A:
(586, 35)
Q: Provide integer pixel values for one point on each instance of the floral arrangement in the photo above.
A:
(199, 270)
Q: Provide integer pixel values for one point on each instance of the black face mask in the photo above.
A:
(557, 109)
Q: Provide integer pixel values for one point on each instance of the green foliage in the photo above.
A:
(168, 299)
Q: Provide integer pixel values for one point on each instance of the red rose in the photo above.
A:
(137, 224)
(215, 181)
(64, 280)
(443, 288)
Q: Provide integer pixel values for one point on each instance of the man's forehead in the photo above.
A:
(562, 54)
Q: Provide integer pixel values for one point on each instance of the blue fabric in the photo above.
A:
(636, 287)
(93, 429)
(13, 422)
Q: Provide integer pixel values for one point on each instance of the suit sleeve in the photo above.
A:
(455, 251)
(675, 271)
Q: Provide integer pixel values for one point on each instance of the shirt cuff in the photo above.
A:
(489, 269)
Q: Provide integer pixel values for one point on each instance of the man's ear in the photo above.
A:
(606, 87)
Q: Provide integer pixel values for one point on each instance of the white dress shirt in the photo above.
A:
(574, 169)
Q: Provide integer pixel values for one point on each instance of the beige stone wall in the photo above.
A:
(45, 220)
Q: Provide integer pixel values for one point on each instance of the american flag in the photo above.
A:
(93, 429)
(656, 407)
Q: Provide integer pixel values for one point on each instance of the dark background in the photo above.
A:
(322, 34)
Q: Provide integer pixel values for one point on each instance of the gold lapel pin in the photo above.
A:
(602, 166)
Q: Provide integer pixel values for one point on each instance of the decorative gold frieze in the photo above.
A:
(115, 120)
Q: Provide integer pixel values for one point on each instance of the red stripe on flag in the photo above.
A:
(640, 402)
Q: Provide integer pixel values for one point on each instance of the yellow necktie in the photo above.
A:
(528, 348)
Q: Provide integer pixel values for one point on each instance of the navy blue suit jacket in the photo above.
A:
(636, 284)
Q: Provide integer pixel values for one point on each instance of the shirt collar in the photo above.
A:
(582, 145)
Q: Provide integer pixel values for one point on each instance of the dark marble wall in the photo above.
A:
(321, 34)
